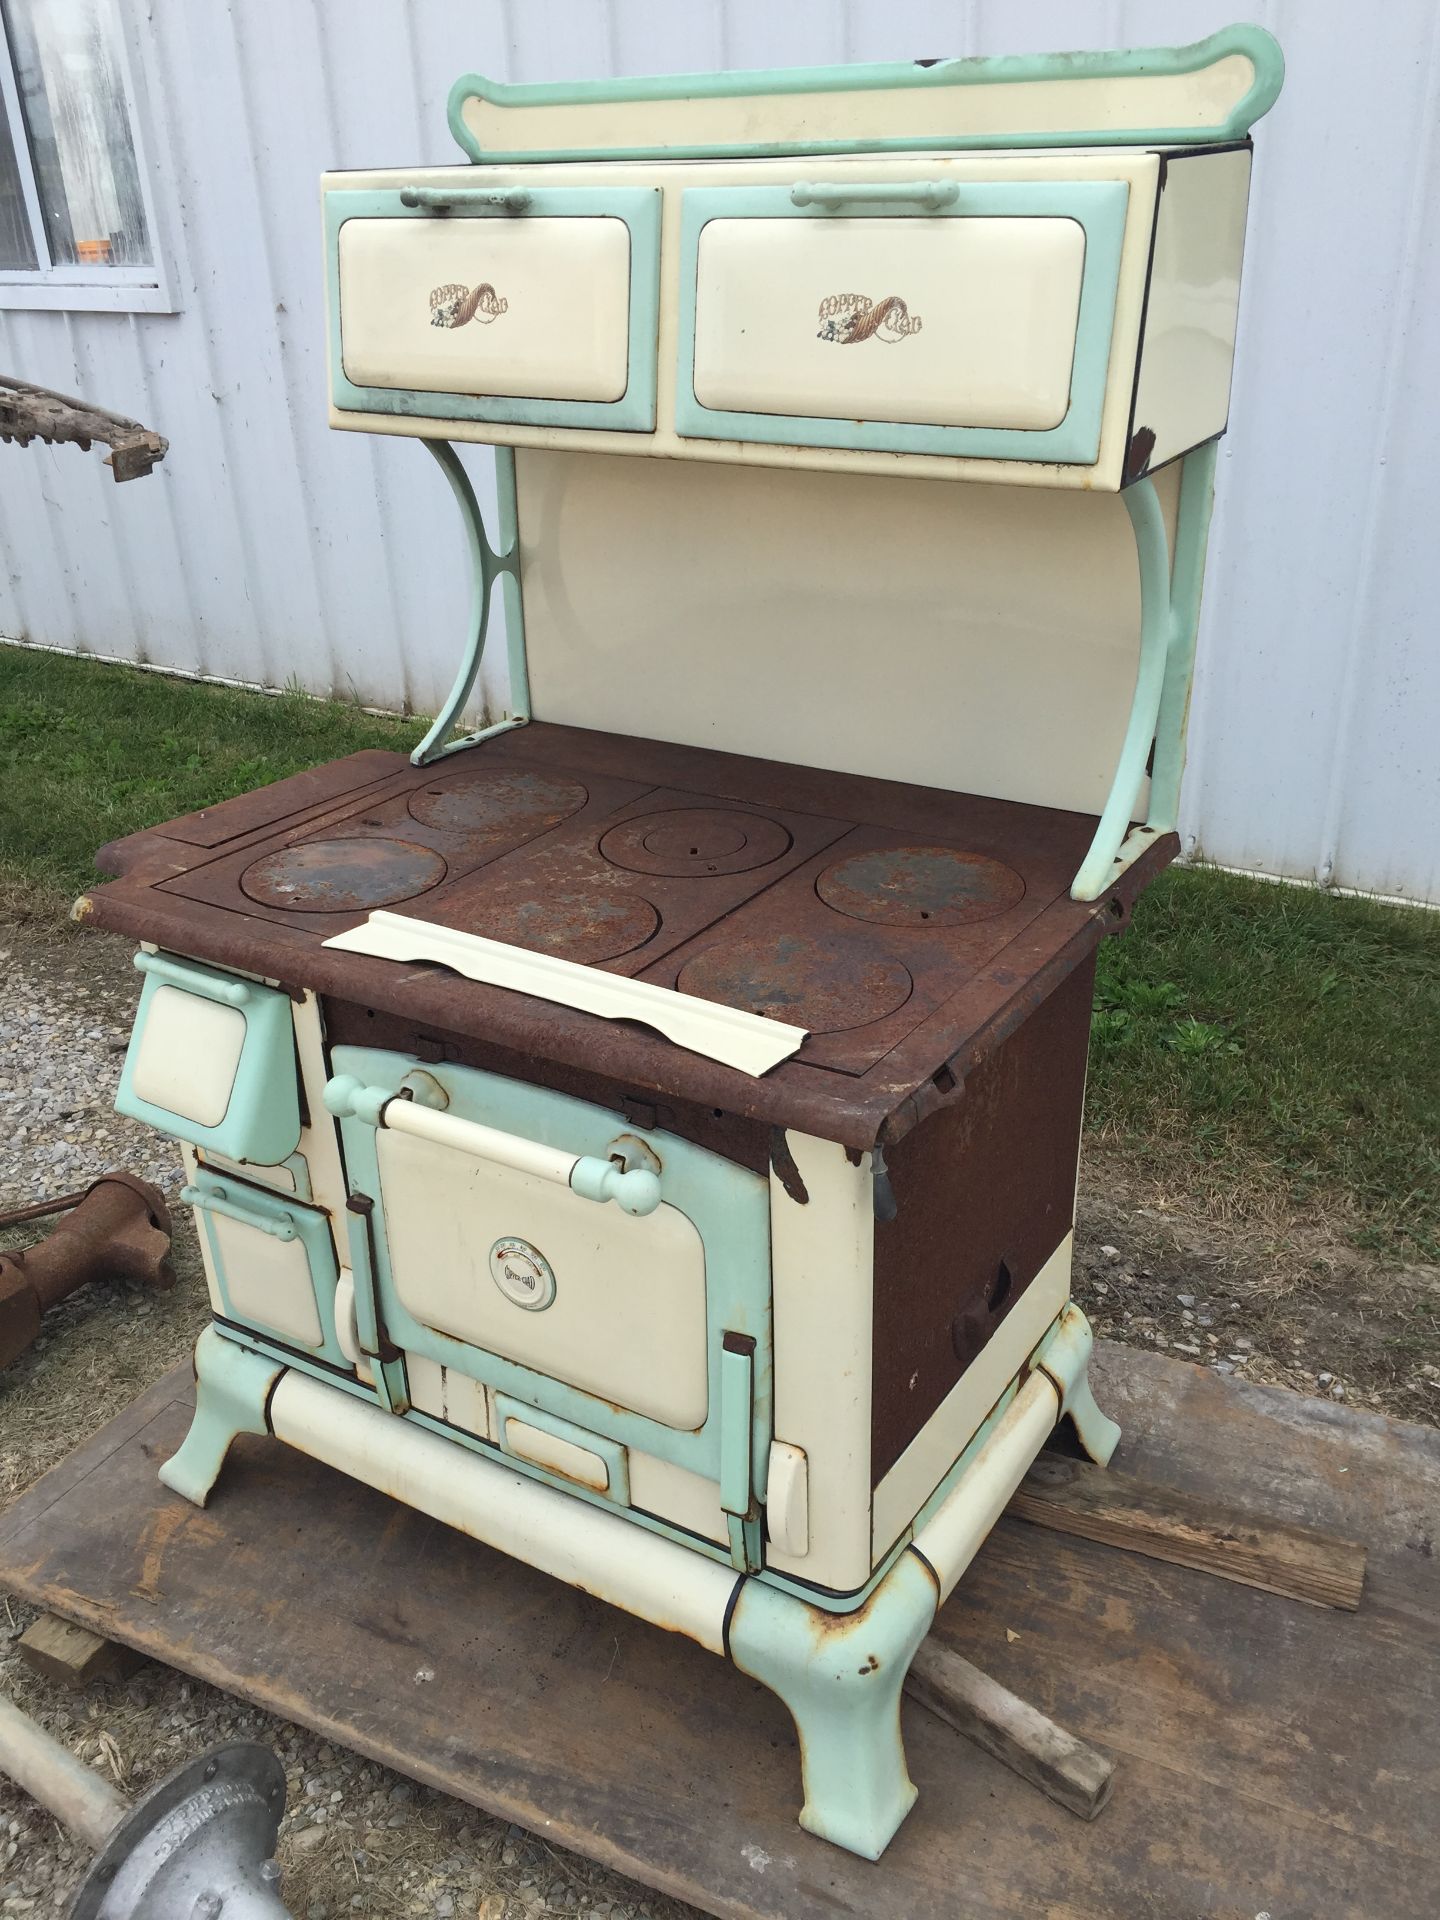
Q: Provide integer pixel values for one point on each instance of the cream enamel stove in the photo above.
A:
(643, 1134)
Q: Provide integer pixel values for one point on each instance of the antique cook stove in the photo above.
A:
(643, 1134)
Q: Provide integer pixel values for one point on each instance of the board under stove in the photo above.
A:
(896, 923)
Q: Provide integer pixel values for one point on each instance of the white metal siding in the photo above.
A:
(267, 549)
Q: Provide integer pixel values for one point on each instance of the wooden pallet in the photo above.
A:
(1271, 1755)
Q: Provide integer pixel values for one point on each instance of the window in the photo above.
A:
(76, 228)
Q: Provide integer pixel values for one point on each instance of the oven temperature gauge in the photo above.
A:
(523, 1274)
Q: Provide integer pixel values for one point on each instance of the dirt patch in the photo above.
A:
(1254, 1291)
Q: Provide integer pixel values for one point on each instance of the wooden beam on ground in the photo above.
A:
(1074, 1775)
(74, 1655)
(1093, 1503)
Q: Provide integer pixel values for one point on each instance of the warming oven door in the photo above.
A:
(533, 1272)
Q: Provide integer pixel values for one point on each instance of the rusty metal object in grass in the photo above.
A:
(29, 412)
(117, 1228)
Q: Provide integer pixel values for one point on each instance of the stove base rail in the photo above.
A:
(840, 1674)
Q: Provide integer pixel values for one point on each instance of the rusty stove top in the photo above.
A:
(909, 929)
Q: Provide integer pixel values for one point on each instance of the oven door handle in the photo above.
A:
(829, 196)
(466, 199)
(634, 1190)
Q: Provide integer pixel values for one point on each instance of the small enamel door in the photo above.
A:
(531, 306)
(932, 317)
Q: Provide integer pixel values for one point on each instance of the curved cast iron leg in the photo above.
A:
(1067, 1361)
(840, 1674)
(232, 1388)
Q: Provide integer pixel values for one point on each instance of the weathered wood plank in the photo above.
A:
(1270, 1756)
(1075, 1776)
(74, 1655)
(1117, 1510)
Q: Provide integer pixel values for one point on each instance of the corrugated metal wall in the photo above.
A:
(268, 549)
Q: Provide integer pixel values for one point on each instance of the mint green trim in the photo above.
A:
(512, 585)
(991, 70)
(486, 567)
(633, 412)
(232, 1390)
(728, 1205)
(261, 1121)
(283, 1218)
(1098, 206)
(1169, 619)
(841, 1676)
(616, 1458)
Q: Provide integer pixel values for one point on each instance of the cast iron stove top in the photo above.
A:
(901, 925)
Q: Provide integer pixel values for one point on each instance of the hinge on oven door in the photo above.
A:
(388, 1366)
(737, 1457)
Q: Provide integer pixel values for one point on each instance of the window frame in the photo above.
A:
(68, 286)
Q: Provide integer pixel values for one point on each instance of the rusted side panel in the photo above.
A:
(984, 1194)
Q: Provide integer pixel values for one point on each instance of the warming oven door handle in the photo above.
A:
(280, 1225)
(634, 1190)
(466, 199)
(827, 195)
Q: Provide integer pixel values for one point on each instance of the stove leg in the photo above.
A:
(232, 1392)
(1069, 1368)
(841, 1675)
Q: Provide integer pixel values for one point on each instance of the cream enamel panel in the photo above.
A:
(554, 327)
(1139, 170)
(1004, 677)
(447, 1395)
(548, 1450)
(1183, 390)
(880, 113)
(993, 304)
(628, 1319)
(190, 1160)
(320, 1141)
(189, 1052)
(822, 1263)
(676, 1494)
(268, 1280)
(949, 1430)
(281, 1177)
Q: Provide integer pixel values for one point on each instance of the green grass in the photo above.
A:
(1281, 1041)
(90, 751)
(1260, 1046)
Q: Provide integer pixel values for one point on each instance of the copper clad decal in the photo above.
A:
(452, 305)
(848, 318)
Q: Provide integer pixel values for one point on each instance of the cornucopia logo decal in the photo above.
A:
(452, 305)
(848, 318)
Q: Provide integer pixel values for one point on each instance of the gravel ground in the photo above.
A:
(1292, 1304)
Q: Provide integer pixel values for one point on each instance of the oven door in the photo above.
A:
(609, 1288)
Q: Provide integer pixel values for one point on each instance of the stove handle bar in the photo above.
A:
(635, 1191)
(828, 196)
(466, 199)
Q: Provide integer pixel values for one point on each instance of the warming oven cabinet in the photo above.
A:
(643, 1132)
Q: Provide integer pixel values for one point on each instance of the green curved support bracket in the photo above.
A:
(1251, 42)
(486, 567)
(1169, 617)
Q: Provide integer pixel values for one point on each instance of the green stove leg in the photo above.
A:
(232, 1390)
(1096, 1431)
(841, 1674)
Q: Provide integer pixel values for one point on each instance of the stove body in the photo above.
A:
(672, 1183)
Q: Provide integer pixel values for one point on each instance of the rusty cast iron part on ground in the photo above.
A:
(198, 1846)
(117, 1228)
(29, 412)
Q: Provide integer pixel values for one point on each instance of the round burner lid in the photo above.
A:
(829, 986)
(497, 797)
(587, 927)
(920, 887)
(339, 876)
(691, 842)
